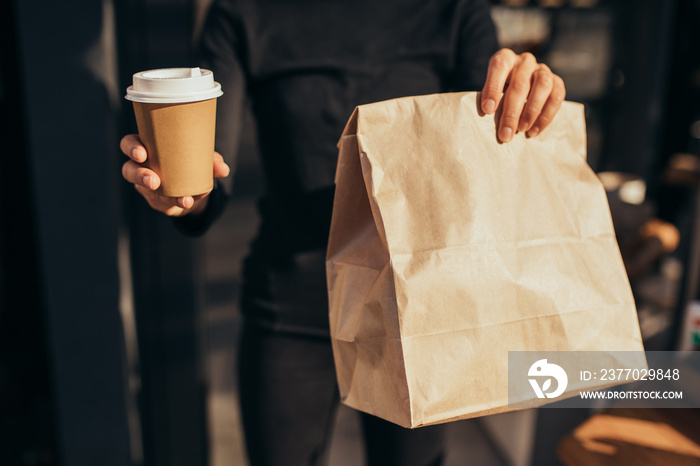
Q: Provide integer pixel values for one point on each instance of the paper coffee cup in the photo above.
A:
(175, 112)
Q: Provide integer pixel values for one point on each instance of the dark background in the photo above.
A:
(115, 329)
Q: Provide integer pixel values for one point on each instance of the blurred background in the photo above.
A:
(118, 335)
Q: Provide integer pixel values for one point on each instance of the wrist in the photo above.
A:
(200, 205)
(205, 210)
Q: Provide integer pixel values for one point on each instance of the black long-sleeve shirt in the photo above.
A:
(304, 66)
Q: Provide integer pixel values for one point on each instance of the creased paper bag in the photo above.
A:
(448, 249)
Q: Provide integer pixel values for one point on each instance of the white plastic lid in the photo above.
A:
(173, 85)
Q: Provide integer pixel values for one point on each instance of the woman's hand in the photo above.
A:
(146, 181)
(531, 93)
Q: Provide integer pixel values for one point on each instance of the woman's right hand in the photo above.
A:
(146, 181)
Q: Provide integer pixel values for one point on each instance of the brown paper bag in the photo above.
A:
(448, 249)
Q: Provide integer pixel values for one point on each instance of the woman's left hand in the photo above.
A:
(530, 92)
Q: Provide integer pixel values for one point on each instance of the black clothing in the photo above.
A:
(305, 65)
(288, 398)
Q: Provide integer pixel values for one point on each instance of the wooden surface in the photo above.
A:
(665, 437)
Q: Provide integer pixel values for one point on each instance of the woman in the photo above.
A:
(304, 66)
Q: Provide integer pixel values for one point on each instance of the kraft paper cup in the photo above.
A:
(175, 111)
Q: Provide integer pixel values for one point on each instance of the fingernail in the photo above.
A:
(134, 153)
(189, 202)
(147, 181)
(505, 134)
(489, 106)
(533, 132)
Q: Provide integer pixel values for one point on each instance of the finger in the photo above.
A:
(542, 85)
(551, 107)
(515, 96)
(201, 196)
(140, 175)
(166, 205)
(500, 66)
(221, 169)
(186, 202)
(131, 146)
